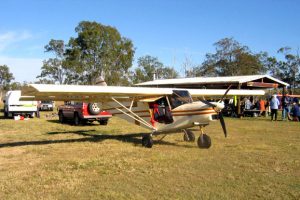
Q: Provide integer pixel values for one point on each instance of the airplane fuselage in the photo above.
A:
(184, 116)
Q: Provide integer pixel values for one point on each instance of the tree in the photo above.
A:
(231, 59)
(188, 67)
(5, 77)
(98, 50)
(149, 67)
(44, 81)
(15, 86)
(53, 67)
(290, 67)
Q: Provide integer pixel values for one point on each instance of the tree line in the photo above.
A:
(100, 50)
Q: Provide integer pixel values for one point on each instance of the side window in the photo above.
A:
(180, 97)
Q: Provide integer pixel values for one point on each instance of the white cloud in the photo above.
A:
(12, 37)
(23, 69)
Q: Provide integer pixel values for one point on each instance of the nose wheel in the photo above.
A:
(204, 141)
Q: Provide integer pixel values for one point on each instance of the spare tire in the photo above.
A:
(93, 108)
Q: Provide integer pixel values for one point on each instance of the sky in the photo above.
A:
(171, 30)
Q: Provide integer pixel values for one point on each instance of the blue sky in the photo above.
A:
(170, 30)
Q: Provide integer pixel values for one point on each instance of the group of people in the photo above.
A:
(290, 107)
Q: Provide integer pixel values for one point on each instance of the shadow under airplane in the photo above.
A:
(133, 138)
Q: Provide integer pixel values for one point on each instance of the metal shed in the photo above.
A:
(242, 82)
(237, 82)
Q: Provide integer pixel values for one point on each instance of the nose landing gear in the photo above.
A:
(204, 141)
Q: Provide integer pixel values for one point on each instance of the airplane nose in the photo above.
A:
(219, 106)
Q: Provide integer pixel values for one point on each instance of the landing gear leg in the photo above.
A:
(147, 141)
(188, 135)
(204, 141)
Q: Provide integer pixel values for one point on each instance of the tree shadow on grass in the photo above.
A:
(133, 138)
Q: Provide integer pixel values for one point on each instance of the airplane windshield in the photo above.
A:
(180, 97)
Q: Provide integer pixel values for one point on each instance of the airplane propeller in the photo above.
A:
(218, 106)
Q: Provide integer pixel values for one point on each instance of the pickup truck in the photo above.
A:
(81, 112)
(13, 106)
(46, 105)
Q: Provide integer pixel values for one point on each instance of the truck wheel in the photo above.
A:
(93, 108)
(76, 119)
(103, 121)
(61, 117)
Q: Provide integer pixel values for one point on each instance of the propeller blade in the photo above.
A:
(207, 103)
(223, 123)
(225, 93)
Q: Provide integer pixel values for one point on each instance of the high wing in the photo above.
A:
(105, 93)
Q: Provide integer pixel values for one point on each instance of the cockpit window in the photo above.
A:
(180, 97)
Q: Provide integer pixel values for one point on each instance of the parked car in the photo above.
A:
(46, 105)
(13, 106)
(81, 112)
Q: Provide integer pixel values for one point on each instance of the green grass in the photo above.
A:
(42, 159)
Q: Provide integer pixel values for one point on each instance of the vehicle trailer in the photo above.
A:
(13, 106)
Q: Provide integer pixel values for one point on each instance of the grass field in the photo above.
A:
(42, 159)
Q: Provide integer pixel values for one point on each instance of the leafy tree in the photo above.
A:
(5, 77)
(148, 67)
(53, 68)
(44, 81)
(98, 50)
(231, 59)
(15, 86)
(290, 67)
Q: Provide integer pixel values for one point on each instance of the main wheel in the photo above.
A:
(204, 141)
(61, 117)
(147, 141)
(188, 136)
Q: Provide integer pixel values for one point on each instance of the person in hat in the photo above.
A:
(274, 104)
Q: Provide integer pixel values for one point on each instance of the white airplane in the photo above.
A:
(162, 110)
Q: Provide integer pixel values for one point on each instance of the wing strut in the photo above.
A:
(132, 115)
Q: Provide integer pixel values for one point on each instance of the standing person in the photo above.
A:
(38, 109)
(285, 107)
(274, 104)
(248, 104)
(268, 109)
(262, 107)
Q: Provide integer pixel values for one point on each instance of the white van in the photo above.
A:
(13, 106)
